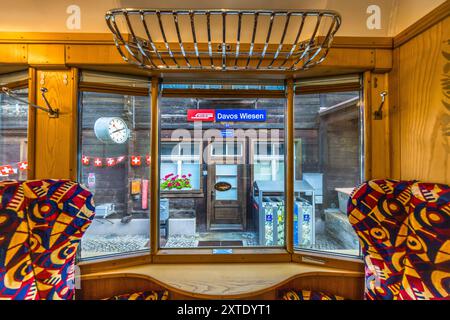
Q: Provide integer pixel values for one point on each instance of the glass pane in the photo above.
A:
(263, 170)
(192, 171)
(227, 195)
(116, 169)
(169, 149)
(226, 170)
(328, 165)
(13, 136)
(229, 203)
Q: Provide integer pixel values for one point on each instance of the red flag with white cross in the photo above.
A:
(23, 166)
(98, 162)
(110, 162)
(135, 161)
(85, 160)
(6, 170)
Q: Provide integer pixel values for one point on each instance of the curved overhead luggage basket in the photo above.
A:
(224, 40)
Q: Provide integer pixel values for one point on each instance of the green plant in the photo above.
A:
(172, 181)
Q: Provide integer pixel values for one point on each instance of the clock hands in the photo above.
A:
(117, 130)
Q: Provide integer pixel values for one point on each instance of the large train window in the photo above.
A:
(14, 127)
(114, 159)
(328, 163)
(225, 155)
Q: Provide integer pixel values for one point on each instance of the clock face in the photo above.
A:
(111, 129)
(118, 130)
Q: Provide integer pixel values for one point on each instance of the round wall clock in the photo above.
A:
(111, 129)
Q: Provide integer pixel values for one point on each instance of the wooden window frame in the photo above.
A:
(205, 255)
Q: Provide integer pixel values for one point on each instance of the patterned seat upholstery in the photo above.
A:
(142, 295)
(309, 295)
(17, 279)
(403, 227)
(54, 214)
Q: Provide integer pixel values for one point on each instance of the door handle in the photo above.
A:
(213, 193)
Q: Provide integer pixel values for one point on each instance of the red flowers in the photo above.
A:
(172, 181)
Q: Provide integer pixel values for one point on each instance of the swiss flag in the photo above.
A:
(147, 159)
(120, 159)
(6, 170)
(85, 160)
(135, 161)
(23, 165)
(98, 162)
(110, 162)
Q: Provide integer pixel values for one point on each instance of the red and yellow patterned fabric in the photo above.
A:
(309, 295)
(143, 295)
(17, 280)
(55, 213)
(388, 217)
(427, 260)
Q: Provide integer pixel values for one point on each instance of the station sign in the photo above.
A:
(227, 115)
(241, 115)
(206, 115)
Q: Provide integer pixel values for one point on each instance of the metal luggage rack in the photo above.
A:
(266, 40)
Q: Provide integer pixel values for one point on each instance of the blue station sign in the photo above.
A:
(241, 115)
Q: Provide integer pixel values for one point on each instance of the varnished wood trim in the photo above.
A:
(222, 93)
(367, 112)
(423, 24)
(362, 42)
(289, 166)
(239, 255)
(107, 38)
(340, 262)
(56, 38)
(246, 295)
(110, 88)
(154, 167)
(31, 132)
(218, 281)
(73, 167)
(343, 87)
(113, 262)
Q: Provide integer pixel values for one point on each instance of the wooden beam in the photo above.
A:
(13, 54)
(423, 24)
(46, 55)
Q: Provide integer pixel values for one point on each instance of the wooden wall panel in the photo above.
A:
(93, 54)
(46, 54)
(421, 121)
(99, 288)
(56, 138)
(13, 53)
(379, 136)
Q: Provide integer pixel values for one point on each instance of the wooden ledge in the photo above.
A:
(230, 281)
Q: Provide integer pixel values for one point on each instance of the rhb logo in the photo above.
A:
(201, 115)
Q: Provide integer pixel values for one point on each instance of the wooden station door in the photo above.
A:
(226, 163)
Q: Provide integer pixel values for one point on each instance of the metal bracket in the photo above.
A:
(378, 114)
(52, 113)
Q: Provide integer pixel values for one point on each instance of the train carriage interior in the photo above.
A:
(237, 150)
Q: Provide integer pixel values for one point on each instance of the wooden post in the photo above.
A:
(289, 167)
(154, 167)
